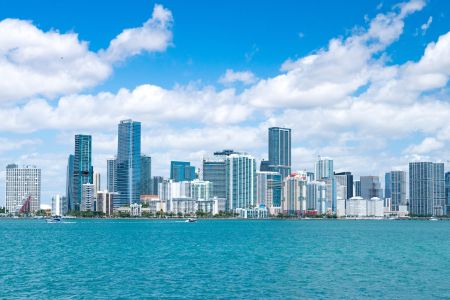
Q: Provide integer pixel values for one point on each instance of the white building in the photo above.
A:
(260, 212)
(23, 184)
(105, 200)
(316, 196)
(87, 197)
(268, 187)
(375, 207)
(294, 194)
(324, 168)
(240, 181)
(57, 205)
(340, 207)
(170, 189)
(356, 207)
(201, 190)
(135, 210)
(184, 206)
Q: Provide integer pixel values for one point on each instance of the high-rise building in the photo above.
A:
(214, 171)
(371, 187)
(111, 175)
(268, 189)
(426, 188)
(156, 180)
(69, 184)
(357, 188)
(397, 189)
(146, 175)
(23, 189)
(87, 197)
(128, 164)
(447, 191)
(324, 168)
(265, 166)
(387, 185)
(182, 171)
(294, 189)
(57, 205)
(316, 196)
(105, 200)
(280, 150)
(240, 181)
(83, 171)
(345, 179)
(201, 190)
(97, 182)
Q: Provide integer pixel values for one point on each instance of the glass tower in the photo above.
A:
(426, 188)
(83, 172)
(280, 150)
(111, 176)
(370, 187)
(447, 191)
(69, 184)
(397, 189)
(387, 185)
(128, 163)
(182, 171)
(146, 175)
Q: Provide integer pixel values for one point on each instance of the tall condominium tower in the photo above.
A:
(146, 175)
(240, 181)
(111, 175)
(23, 189)
(83, 171)
(324, 168)
(397, 189)
(387, 185)
(426, 188)
(280, 150)
(69, 184)
(128, 163)
(268, 189)
(345, 179)
(371, 187)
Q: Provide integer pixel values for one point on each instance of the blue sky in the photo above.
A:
(351, 86)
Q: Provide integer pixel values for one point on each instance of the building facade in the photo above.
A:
(426, 188)
(280, 150)
(146, 175)
(345, 179)
(128, 164)
(324, 168)
(268, 189)
(83, 171)
(88, 197)
(214, 171)
(69, 183)
(240, 181)
(111, 174)
(23, 189)
(397, 189)
(371, 187)
(294, 189)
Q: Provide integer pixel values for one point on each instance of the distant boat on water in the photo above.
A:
(190, 220)
(55, 219)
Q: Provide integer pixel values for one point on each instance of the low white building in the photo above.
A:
(260, 212)
(375, 207)
(340, 207)
(356, 207)
(135, 210)
(87, 197)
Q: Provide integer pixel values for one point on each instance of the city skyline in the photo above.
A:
(368, 114)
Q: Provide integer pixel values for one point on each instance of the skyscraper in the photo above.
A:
(294, 188)
(128, 163)
(214, 170)
(426, 188)
(268, 189)
(23, 189)
(370, 187)
(182, 171)
(447, 191)
(146, 175)
(397, 189)
(83, 171)
(280, 150)
(345, 179)
(387, 185)
(111, 175)
(69, 184)
(357, 188)
(156, 180)
(240, 181)
(324, 168)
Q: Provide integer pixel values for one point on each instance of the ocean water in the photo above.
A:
(226, 259)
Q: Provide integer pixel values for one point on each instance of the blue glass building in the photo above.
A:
(388, 185)
(83, 172)
(128, 163)
(447, 191)
(280, 150)
(111, 176)
(146, 175)
(182, 171)
(69, 183)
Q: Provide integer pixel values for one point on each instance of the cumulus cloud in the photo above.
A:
(35, 63)
(230, 76)
(426, 25)
(154, 35)
(428, 145)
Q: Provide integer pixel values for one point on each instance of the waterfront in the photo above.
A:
(224, 259)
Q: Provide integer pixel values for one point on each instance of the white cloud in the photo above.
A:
(426, 25)
(154, 35)
(35, 63)
(230, 76)
(429, 144)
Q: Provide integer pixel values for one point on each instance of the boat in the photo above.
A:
(54, 219)
(433, 219)
(190, 220)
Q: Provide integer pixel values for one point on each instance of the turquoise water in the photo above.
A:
(125, 259)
